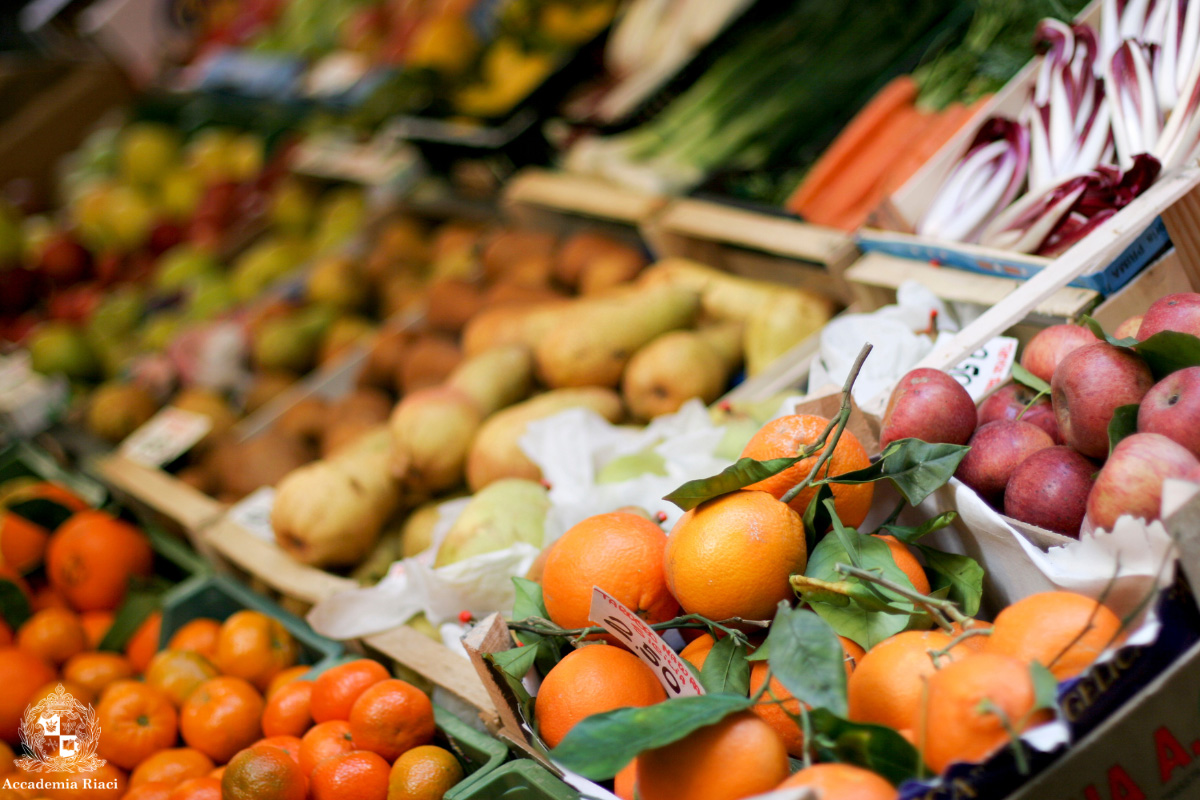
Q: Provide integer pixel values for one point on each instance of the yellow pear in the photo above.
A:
(679, 366)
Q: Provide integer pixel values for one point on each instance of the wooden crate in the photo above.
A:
(755, 244)
(563, 202)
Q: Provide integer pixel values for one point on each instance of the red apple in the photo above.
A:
(1129, 328)
(1132, 478)
(1172, 408)
(1088, 385)
(1050, 489)
(996, 450)
(64, 261)
(164, 236)
(930, 405)
(17, 289)
(1051, 345)
(1172, 312)
(1010, 400)
(75, 304)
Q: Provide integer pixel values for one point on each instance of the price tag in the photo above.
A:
(647, 645)
(254, 513)
(987, 367)
(165, 437)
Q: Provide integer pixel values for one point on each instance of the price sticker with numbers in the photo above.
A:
(616, 618)
(165, 437)
(254, 513)
(986, 368)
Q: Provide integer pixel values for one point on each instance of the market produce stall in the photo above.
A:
(644, 399)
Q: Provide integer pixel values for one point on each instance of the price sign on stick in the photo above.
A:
(647, 645)
(165, 437)
(254, 513)
(987, 367)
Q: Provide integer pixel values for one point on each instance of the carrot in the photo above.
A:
(897, 94)
(870, 164)
(949, 122)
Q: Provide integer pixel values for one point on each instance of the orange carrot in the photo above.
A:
(897, 94)
(949, 122)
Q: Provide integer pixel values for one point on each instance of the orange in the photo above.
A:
(360, 775)
(735, 758)
(95, 626)
(199, 634)
(325, 740)
(774, 708)
(54, 635)
(218, 773)
(143, 644)
(732, 556)
(336, 689)
(49, 597)
(77, 690)
(1064, 631)
(91, 558)
(255, 647)
(22, 542)
(206, 788)
(391, 717)
(625, 782)
(287, 744)
(958, 725)
(221, 717)
(154, 790)
(288, 711)
(137, 721)
(696, 652)
(6, 634)
(7, 767)
(289, 675)
(623, 555)
(42, 490)
(785, 438)
(172, 767)
(588, 681)
(424, 773)
(908, 564)
(843, 782)
(263, 773)
(887, 686)
(854, 654)
(97, 670)
(976, 644)
(21, 674)
(177, 673)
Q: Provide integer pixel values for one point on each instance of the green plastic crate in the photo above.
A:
(479, 753)
(516, 780)
(22, 460)
(219, 597)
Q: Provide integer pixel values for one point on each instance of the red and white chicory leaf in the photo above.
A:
(1129, 85)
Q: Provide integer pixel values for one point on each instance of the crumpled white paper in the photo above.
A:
(570, 448)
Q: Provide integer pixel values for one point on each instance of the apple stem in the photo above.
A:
(944, 612)
(837, 425)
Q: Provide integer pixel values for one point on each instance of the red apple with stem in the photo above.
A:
(1050, 489)
(929, 405)
(1012, 400)
(1088, 386)
(996, 450)
(1051, 345)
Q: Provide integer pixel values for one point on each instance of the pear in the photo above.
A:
(427, 361)
(783, 322)
(212, 405)
(507, 249)
(609, 270)
(524, 324)
(496, 378)
(724, 296)
(432, 430)
(289, 343)
(680, 365)
(581, 250)
(417, 534)
(591, 345)
(264, 264)
(344, 334)
(118, 409)
(496, 452)
(634, 465)
(502, 515)
(330, 512)
(337, 281)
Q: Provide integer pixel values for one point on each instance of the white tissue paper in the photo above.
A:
(570, 448)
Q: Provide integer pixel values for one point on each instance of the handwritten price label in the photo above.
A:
(987, 367)
(254, 513)
(165, 437)
(647, 645)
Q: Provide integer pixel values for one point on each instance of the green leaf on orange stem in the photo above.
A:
(599, 746)
(960, 575)
(816, 517)
(736, 476)
(874, 747)
(1027, 378)
(916, 468)
(1045, 686)
(515, 662)
(1122, 424)
(14, 605)
(909, 535)
(808, 659)
(725, 668)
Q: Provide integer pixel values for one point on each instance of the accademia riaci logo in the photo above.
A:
(61, 735)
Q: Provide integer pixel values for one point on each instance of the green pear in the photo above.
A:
(263, 264)
(146, 152)
(293, 206)
(59, 347)
(500, 516)
(118, 409)
(161, 330)
(290, 342)
(337, 281)
(182, 265)
(119, 311)
(634, 465)
(210, 297)
(679, 366)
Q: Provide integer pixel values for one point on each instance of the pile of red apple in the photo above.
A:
(1045, 461)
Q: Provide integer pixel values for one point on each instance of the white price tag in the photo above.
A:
(165, 437)
(647, 645)
(986, 368)
(254, 513)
